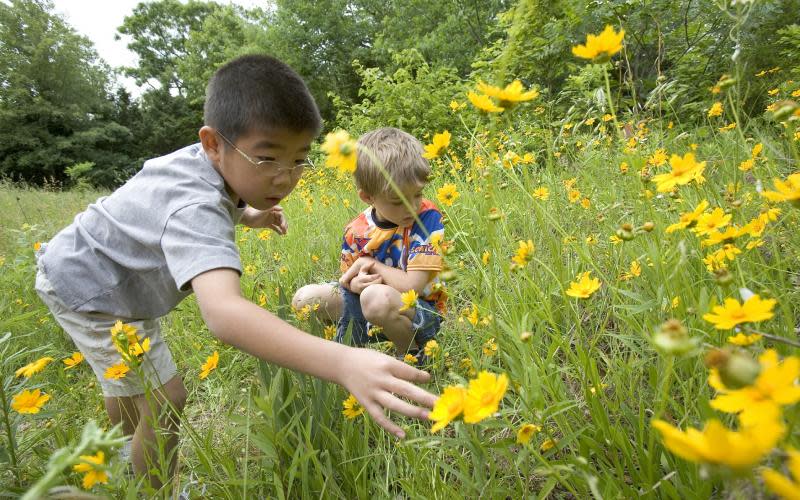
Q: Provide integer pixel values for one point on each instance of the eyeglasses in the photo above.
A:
(271, 167)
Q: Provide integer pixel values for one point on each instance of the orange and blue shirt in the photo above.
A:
(414, 248)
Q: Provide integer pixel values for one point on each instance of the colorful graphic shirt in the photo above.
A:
(414, 248)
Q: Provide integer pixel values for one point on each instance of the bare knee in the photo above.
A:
(325, 296)
(378, 305)
(305, 296)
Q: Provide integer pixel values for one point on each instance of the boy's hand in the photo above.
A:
(362, 280)
(272, 218)
(376, 380)
(361, 264)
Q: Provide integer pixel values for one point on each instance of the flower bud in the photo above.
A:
(735, 369)
(722, 276)
(783, 110)
(673, 338)
(495, 214)
(648, 226)
(725, 82)
(625, 232)
(525, 336)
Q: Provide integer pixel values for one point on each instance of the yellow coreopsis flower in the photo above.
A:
(658, 158)
(526, 432)
(484, 103)
(33, 368)
(729, 235)
(91, 467)
(352, 408)
(409, 299)
(743, 340)
(717, 445)
(684, 170)
(116, 372)
(510, 95)
(753, 310)
(584, 287)
(788, 190)
(779, 484)
(715, 110)
(341, 151)
(210, 365)
(447, 194)
(439, 144)
(73, 360)
(541, 193)
(431, 348)
(472, 315)
(29, 402)
(600, 47)
(708, 223)
(523, 255)
(689, 219)
(483, 396)
(448, 407)
(127, 342)
(486, 256)
(761, 401)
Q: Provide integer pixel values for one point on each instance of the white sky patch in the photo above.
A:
(98, 20)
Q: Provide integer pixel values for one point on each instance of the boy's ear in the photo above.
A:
(211, 144)
(365, 197)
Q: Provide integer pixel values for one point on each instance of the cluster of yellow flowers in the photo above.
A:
(477, 402)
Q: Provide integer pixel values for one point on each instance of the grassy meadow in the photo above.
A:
(589, 371)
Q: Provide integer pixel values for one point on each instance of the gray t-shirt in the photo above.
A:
(134, 253)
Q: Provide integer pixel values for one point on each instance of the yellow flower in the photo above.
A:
(541, 193)
(29, 402)
(33, 368)
(523, 255)
(439, 144)
(715, 110)
(586, 203)
(602, 46)
(483, 396)
(659, 158)
(472, 315)
(455, 105)
(483, 103)
(574, 195)
(779, 484)
(127, 342)
(210, 365)
(757, 150)
(91, 466)
(116, 372)
(510, 95)
(762, 400)
(485, 257)
(526, 432)
(447, 194)
(707, 223)
(684, 170)
(727, 236)
(431, 348)
(449, 406)
(584, 287)
(410, 359)
(786, 191)
(746, 165)
(341, 151)
(547, 445)
(743, 340)
(728, 127)
(717, 445)
(409, 299)
(732, 313)
(73, 360)
(490, 347)
(329, 332)
(352, 408)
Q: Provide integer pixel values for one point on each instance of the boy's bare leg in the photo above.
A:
(159, 413)
(324, 294)
(381, 306)
(123, 410)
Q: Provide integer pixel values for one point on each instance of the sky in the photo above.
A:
(98, 21)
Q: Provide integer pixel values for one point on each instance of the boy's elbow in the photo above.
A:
(216, 319)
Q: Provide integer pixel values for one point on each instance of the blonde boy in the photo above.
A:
(169, 231)
(387, 250)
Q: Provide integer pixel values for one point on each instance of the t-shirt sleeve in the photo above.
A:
(198, 238)
(349, 251)
(424, 245)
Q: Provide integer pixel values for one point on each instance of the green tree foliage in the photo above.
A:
(54, 107)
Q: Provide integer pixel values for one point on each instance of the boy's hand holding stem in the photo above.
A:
(376, 380)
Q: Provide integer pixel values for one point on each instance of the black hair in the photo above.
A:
(259, 92)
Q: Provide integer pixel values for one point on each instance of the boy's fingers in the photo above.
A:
(408, 372)
(394, 404)
(376, 412)
(414, 393)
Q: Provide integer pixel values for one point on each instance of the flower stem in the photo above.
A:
(12, 445)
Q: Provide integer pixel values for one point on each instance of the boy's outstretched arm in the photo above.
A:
(375, 379)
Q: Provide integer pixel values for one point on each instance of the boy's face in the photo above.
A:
(390, 206)
(261, 168)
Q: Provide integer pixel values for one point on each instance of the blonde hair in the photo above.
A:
(400, 154)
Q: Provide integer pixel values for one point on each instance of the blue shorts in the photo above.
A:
(425, 324)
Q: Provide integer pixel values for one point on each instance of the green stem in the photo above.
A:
(611, 103)
(661, 404)
(12, 445)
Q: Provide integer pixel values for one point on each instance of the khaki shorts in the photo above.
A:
(91, 334)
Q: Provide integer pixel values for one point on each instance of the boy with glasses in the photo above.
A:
(169, 231)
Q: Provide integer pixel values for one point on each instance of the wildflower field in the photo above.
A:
(623, 318)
